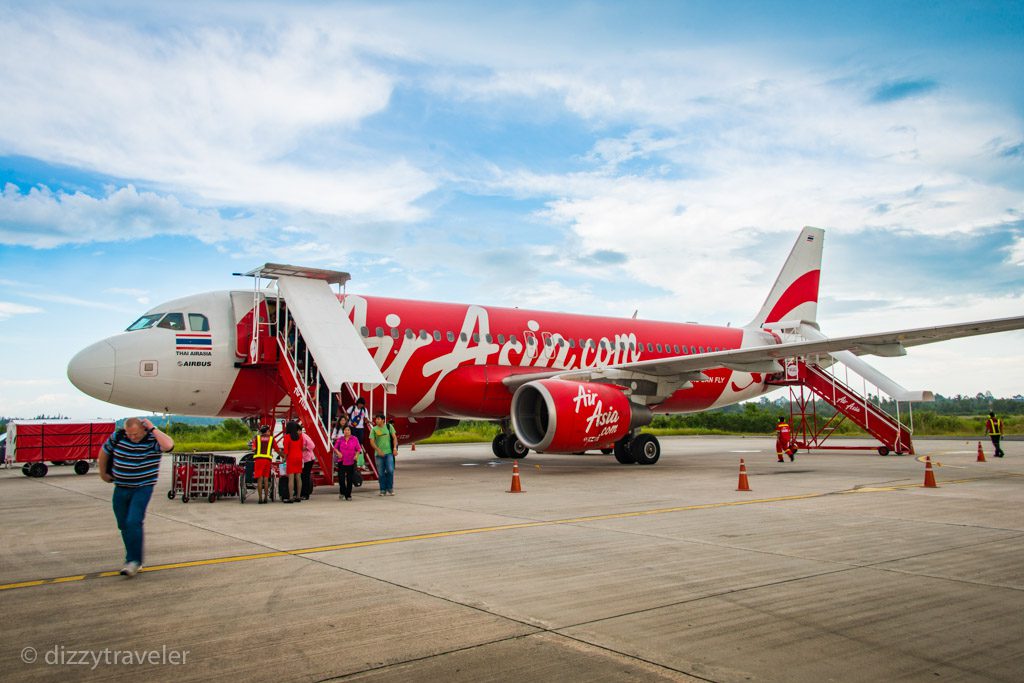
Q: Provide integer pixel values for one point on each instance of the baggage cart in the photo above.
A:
(33, 443)
(192, 476)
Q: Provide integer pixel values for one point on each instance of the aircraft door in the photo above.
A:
(249, 328)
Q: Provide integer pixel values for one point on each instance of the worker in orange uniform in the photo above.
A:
(782, 438)
(994, 429)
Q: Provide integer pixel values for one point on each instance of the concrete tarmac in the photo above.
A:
(836, 567)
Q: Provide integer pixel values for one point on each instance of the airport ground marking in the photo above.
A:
(480, 530)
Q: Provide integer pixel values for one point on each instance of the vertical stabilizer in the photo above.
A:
(794, 296)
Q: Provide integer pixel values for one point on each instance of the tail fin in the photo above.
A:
(795, 293)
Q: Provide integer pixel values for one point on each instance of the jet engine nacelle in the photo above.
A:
(559, 416)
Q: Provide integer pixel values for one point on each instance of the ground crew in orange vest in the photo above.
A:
(994, 429)
(782, 434)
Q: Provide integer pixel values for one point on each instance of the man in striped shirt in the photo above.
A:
(131, 460)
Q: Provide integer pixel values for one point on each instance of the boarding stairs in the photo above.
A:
(807, 381)
(831, 378)
(316, 353)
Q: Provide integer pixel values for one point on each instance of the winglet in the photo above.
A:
(795, 293)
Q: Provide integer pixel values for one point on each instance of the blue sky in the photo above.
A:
(584, 156)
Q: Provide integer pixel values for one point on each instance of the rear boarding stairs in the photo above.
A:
(831, 378)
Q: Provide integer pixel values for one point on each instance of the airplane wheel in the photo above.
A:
(623, 453)
(646, 449)
(81, 467)
(38, 469)
(514, 448)
(498, 445)
(25, 469)
(882, 450)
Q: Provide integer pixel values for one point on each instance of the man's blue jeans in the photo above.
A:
(130, 510)
(386, 471)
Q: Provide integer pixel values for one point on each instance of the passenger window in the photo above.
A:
(437, 335)
(604, 344)
(701, 349)
(409, 333)
(476, 337)
(451, 336)
(395, 333)
(675, 347)
(693, 349)
(365, 331)
(658, 346)
(424, 335)
(197, 322)
(488, 338)
(512, 338)
(501, 339)
(173, 321)
(463, 337)
(650, 346)
(380, 331)
(145, 322)
(547, 342)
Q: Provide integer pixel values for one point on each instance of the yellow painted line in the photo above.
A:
(465, 532)
(66, 579)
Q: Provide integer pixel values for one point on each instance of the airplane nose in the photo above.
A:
(92, 370)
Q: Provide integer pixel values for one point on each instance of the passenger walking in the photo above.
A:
(357, 418)
(783, 434)
(338, 427)
(346, 449)
(308, 458)
(385, 446)
(291, 445)
(130, 459)
(263, 453)
(994, 429)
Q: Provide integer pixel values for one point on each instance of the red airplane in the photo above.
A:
(556, 382)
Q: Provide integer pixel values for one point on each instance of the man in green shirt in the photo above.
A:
(385, 445)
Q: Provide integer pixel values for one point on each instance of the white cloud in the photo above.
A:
(139, 295)
(9, 310)
(217, 113)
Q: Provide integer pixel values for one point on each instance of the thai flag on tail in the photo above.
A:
(193, 341)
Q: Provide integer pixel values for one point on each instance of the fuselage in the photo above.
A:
(445, 360)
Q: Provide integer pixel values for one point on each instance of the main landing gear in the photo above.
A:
(506, 445)
(640, 449)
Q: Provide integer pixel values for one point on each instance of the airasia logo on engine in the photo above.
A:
(588, 401)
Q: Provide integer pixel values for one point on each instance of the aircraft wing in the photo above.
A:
(766, 359)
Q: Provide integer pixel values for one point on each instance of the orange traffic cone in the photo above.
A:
(981, 453)
(413, 447)
(516, 486)
(744, 484)
(929, 475)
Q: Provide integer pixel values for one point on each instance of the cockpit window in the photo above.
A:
(197, 322)
(173, 321)
(145, 322)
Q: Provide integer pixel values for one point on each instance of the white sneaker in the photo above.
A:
(131, 569)
(391, 493)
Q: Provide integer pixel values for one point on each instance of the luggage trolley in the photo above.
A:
(192, 475)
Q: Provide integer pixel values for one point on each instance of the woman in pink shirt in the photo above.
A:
(346, 448)
(308, 458)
